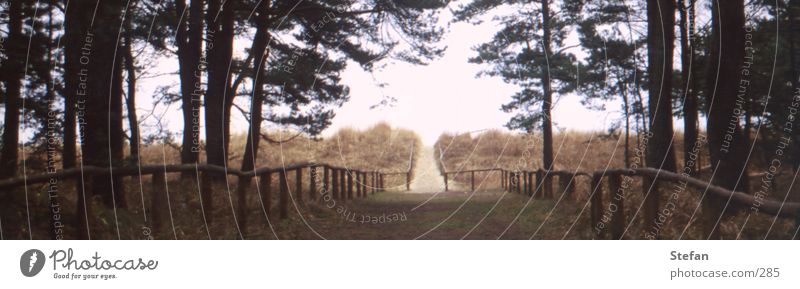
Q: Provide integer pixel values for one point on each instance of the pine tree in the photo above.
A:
(529, 51)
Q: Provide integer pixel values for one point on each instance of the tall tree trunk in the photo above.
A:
(260, 54)
(56, 225)
(189, 42)
(626, 106)
(725, 143)
(13, 69)
(79, 39)
(103, 117)
(794, 55)
(220, 31)
(642, 111)
(130, 101)
(72, 38)
(547, 124)
(11, 73)
(661, 20)
(690, 111)
(794, 41)
(660, 36)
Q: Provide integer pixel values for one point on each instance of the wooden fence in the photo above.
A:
(604, 198)
(340, 182)
(523, 182)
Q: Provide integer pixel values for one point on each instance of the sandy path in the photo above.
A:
(427, 178)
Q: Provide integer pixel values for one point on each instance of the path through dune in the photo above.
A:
(427, 178)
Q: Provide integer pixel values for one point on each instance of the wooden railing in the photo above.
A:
(603, 197)
(523, 182)
(471, 173)
(340, 182)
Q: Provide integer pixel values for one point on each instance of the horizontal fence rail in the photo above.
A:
(538, 184)
(340, 183)
(170, 168)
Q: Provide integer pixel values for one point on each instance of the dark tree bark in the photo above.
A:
(660, 36)
(130, 104)
(72, 38)
(189, 43)
(260, 53)
(103, 141)
(726, 146)
(627, 113)
(661, 20)
(794, 56)
(794, 41)
(690, 110)
(77, 35)
(12, 76)
(547, 124)
(56, 225)
(220, 32)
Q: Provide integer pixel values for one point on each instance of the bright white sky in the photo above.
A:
(444, 96)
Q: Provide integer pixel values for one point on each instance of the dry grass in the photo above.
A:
(380, 147)
(588, 152)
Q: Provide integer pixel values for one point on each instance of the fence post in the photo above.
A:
(530, 184)
(501, 180)
(502, 183)
(364, 187)
(509, 185)
(266, 198)
(526, 183)
(298, 184)
(509, 182)
(312, 186)
(408, 180)
(358, 184)
(539, 193)
(566, 181)
(519, 181)
(617, 207)
(597, 205)
(349, 184)
(361, 181)
(446, 187)
(342, 184)
(547, 182)
(158, 202)
(505, 181)
(383, 184)
(283, 202)
(365, 179)
(512, 183)
(334, 184)
(325, 182)
(472, 180)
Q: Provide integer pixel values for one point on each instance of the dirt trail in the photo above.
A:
(427, 178)
(443, 215)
